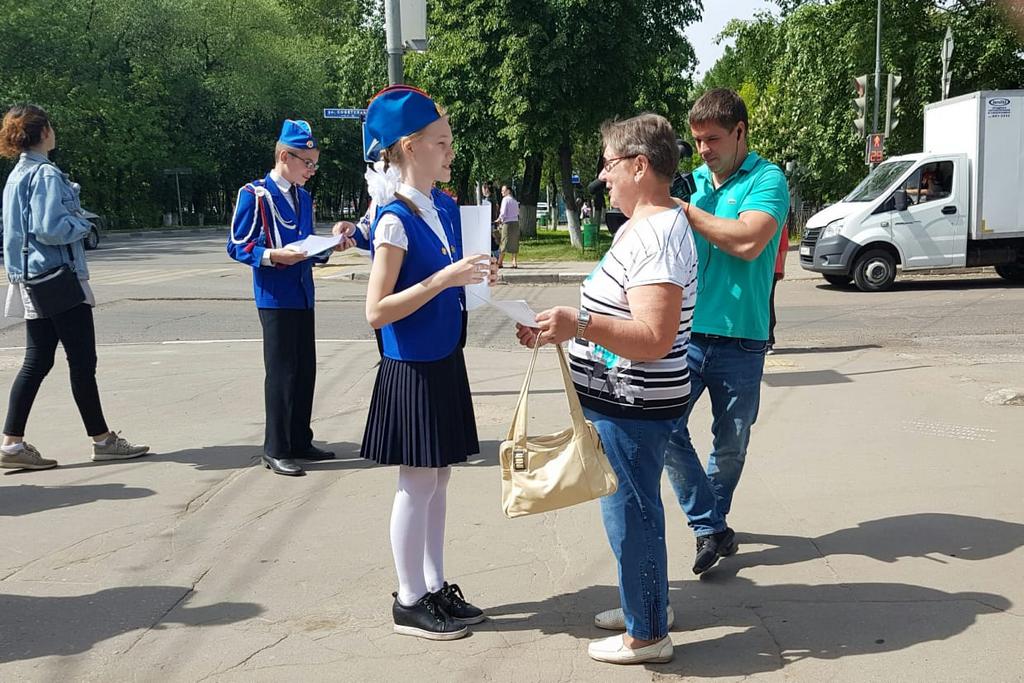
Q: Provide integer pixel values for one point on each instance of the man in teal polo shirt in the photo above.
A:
(737, 214)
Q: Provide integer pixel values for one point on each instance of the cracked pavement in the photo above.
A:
(871, 549)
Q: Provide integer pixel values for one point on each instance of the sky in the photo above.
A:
(717, 14)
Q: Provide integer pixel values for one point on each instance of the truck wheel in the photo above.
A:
(838, 280)
(1011, 272)
(875, 271)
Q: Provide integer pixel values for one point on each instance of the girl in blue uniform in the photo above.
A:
(421, 414)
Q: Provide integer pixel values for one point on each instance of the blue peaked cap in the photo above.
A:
(297, 134)
(395, 112)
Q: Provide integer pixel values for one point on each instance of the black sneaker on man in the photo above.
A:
(454, 604)
(712, 548)
(426, 619)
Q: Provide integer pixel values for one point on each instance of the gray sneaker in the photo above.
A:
(27, 458)
(116, 447)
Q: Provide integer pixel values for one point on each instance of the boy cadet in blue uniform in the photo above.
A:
(271, 213)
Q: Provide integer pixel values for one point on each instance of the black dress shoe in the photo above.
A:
(712, 548)
(284, 466)
(453, 602)
(314, 453)
(426, 619)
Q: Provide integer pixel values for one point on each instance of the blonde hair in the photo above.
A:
(395, 154)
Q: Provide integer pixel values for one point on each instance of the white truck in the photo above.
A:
(958, 204)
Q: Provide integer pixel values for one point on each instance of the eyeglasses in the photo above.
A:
(609, 164)
(309, 164)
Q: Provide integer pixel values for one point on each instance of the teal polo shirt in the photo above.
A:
(732, 294)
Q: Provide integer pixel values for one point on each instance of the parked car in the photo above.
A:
(99, 223)
(92, 240)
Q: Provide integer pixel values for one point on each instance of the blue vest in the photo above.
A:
(434, 330)
(273, 286)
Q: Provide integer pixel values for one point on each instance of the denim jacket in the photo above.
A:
(48, 203)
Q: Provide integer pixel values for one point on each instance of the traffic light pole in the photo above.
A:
(393, 12)
(878, 65)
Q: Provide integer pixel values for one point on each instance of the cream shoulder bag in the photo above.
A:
(543, 473)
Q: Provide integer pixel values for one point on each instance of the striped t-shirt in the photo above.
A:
(652, 251)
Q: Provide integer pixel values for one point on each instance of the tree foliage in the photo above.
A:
(795, 71)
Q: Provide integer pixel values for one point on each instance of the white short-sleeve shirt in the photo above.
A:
(390, 229)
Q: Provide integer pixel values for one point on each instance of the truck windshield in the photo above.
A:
(878, 181)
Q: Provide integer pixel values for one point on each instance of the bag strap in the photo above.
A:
(26, 214)
(518, 430)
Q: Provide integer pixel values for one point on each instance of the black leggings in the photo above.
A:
(75, 331)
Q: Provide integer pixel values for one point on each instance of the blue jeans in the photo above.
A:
(634, 518)
(730, 369)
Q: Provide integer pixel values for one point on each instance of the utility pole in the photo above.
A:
(393, 25)
(878, 65)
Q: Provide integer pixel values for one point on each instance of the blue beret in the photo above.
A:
(297, 134)
(395, 112)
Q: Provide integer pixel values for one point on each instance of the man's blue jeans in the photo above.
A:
(634, 518)
(730, 370)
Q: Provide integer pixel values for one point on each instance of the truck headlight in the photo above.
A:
(832, 230)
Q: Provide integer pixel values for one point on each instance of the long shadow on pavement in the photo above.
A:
(771, 626)
(930, 534)
(32, 627)
(27, 499)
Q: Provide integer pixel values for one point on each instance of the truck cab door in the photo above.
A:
(928, 213)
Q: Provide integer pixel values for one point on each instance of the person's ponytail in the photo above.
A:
(23, 128)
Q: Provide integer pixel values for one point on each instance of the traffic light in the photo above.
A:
(860, 103)
(892, 101)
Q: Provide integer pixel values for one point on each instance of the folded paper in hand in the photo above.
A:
(517, 309)
(315, 244)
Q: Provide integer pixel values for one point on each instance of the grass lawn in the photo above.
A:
(553, 245)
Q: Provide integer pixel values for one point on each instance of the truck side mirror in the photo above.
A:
(901, 200)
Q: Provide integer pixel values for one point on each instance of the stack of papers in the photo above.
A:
(315, 244)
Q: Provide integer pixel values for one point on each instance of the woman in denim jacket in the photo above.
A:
(40, 200)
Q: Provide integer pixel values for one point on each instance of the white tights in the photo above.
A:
(417, 530)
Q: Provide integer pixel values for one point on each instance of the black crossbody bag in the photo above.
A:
(56, 290)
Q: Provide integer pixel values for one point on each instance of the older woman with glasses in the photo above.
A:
(629, 339)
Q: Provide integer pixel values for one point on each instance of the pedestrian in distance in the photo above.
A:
(508, 223)
(44, 231)
(271, 213)
(421, 413)
(780, 275)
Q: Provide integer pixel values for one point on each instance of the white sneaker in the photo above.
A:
(116, 447)
(615, 619)
(614, 651)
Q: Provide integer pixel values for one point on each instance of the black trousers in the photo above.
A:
(75, 331)
(289, 358)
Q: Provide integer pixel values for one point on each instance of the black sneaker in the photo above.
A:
(453, 602)
(426, 619)
(711, 548)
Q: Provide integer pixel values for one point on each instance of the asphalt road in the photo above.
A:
(157, 289)
(879, 517)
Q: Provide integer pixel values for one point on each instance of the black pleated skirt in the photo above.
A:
(421, 414)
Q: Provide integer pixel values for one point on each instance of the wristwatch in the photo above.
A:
(582, 322)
